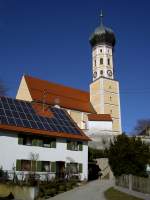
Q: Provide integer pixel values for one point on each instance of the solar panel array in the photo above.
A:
(21, 113)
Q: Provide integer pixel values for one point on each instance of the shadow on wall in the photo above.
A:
(94, 172)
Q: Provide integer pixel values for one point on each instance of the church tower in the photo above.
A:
(104, 90)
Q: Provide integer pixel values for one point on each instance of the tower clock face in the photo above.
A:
(95, 74)
(109, 72)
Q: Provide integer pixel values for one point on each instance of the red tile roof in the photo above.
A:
(99, 117)
(53, 93)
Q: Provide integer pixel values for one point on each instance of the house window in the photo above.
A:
(27, 141)
(74, 146)
(25, 165)
(32, 165)
(34, 141)
(101, 61)
(74, 168)
(49, 143)
(108, 61)
(45, 166)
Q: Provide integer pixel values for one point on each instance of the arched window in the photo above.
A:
(101, 61)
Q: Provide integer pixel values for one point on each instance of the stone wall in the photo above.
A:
(19, 192)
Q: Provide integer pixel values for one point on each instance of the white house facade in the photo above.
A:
(47, 152)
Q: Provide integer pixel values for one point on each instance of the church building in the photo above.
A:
(96, 112)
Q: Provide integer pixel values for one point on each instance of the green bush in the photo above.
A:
(128, 155)
(69, 186)
(50, 192)
(62, 188)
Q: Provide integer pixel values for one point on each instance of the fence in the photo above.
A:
(131, 182)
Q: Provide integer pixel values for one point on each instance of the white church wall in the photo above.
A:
(99, 128)
(100, 133)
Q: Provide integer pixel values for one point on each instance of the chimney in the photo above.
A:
(57, 102)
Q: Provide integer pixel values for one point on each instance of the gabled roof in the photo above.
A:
(53, 93)
(145, 132)
(99, 117)
(29, 117)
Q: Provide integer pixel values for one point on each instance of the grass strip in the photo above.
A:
(113, 194)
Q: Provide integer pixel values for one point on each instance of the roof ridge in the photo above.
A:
(58, 84)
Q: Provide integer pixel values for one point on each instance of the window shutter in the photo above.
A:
(20, 140)
(80, 146)
(67, 167)
(53, 166)
(53, 144)
(40, 143)
(80, 167)
(68, 145)
(39, 166)
(33, 165)
(18, 165)
(34, 142)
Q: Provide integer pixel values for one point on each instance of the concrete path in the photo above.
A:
(134, 193)
(93, 190)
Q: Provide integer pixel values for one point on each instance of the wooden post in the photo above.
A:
(130, 182)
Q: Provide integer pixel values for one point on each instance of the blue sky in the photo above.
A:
(49, 39)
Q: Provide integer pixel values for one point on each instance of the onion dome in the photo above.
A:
(102, 35)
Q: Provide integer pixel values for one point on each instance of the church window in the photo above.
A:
(101, 72)
(95, 63)
(110, 98)
(101, 50)
(108, 61)
(101, 61)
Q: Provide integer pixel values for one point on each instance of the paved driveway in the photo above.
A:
(93, 190)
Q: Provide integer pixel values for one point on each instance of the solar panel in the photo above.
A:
(22, 114)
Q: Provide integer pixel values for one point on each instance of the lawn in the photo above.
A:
(113, 194)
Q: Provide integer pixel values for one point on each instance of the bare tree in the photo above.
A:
(142, 125)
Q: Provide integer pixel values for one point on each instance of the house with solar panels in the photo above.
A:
(40, 138)
(96, 112)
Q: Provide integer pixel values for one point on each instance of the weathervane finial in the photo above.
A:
(101, 16)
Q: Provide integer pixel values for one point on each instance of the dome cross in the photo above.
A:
(101, 18)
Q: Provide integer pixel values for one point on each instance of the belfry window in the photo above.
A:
(108, 61)
(101, 72)
(101, 61)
